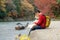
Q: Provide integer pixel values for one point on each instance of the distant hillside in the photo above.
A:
(24, 9)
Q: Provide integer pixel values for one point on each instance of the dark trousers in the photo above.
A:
(34, 28)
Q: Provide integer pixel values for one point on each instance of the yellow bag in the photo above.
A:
(47, 21)
(24, 37)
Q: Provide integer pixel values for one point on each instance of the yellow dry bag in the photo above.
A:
(47, 21)
(24, 37)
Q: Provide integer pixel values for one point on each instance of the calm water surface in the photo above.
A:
(8, 32)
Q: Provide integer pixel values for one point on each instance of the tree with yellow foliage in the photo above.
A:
(2, 8)
(26, 5)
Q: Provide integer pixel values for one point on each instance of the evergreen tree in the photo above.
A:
(18, 4)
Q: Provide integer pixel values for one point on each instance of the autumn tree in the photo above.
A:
(11, 7)
(25, 5)
(45, 5)
(27, 8)
(2, 8)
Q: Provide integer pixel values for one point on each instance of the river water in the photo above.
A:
(8, 32)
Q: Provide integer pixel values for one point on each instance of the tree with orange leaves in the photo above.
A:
(45, 5)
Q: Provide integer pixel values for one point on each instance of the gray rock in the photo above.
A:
(51, 33)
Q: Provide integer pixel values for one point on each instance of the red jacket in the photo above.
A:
(41, 21)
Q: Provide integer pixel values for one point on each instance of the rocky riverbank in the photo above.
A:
(51, 33)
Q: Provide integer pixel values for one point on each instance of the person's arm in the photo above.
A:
(39, 20)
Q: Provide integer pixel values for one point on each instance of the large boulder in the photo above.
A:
(51, 33)
(45, 34)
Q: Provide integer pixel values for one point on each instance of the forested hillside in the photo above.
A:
(16, 10)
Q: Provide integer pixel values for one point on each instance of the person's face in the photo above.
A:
(37, 15)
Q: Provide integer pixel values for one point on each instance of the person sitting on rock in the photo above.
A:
(40, 21)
